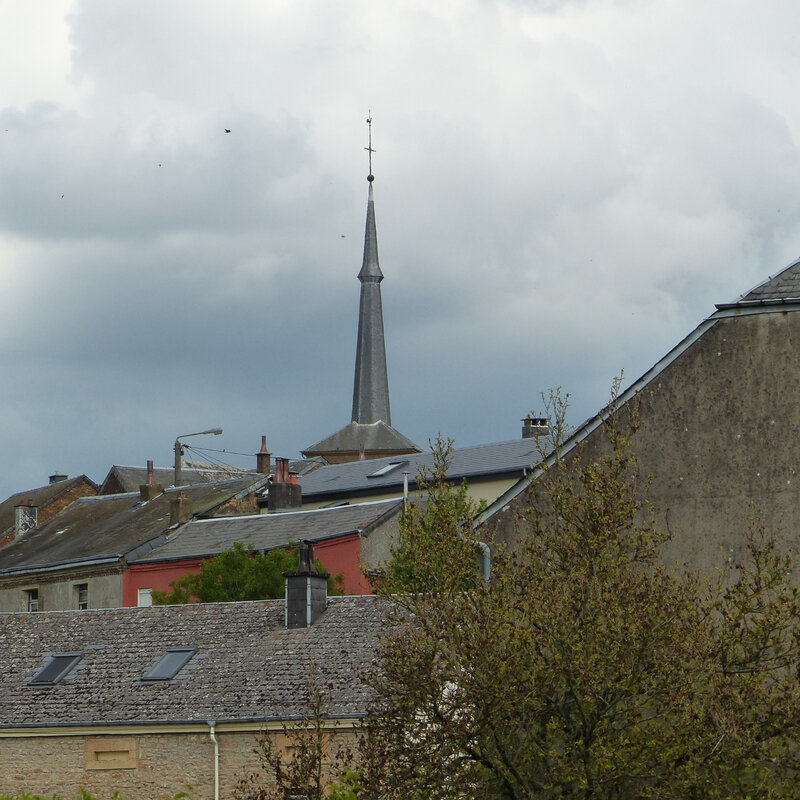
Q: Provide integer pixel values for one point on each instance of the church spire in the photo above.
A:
(371, 385)
(370, 433)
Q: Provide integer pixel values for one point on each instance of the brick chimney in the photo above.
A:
(180, 509)
(284, 491)
(534, 426)
(150, 489)
(25, 518)
(262, 458)
(306, 591)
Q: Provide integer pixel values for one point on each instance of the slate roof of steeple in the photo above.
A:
(371, 421)
(375, 437)
(371, 382)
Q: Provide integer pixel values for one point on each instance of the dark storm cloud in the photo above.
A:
(564, 190)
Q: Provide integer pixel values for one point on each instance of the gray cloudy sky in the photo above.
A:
(564, 188)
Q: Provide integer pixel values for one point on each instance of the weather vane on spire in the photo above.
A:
(370, 177)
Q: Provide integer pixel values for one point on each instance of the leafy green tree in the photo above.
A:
(586, 669)
(239, 573)
(436, 549)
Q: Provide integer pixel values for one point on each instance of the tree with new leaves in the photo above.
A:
(239, 573)
(435, 545)
(586, 668)
(303, 759)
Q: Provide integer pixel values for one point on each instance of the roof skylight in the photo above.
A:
(387, 469)
(55, 670)
(168, 666)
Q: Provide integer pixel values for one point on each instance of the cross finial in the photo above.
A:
(369, 149)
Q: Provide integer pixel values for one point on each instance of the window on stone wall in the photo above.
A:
(31, 599)
(81, 593)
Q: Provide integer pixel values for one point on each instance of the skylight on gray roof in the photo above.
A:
(168, 666)
(55, 670)
(387, 469)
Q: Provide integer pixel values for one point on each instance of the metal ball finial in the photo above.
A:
(370, 177)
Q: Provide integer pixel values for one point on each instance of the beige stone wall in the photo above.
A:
(719, 430)
(164, 764)
(138, 766)
(57, 590)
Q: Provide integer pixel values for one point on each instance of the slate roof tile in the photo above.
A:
(109, 526)
(486, 460)
(269, 531)
(247, 665)
(783, 286)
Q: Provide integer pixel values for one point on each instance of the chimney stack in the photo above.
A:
(180, 509)
(25, 518)
(306, 591)
(262, 458)
(150, 489)
(57, 477)
(534, 426)
(284, 491)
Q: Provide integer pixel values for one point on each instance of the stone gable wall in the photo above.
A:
(719, 430)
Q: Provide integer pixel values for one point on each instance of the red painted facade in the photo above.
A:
(340, 554)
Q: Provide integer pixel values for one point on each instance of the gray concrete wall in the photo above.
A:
(59, 593)
(718, 432)
(377, 545)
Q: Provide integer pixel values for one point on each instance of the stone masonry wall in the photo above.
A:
(155, 766)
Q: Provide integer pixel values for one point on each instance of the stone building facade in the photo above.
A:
(152, 700)
(718, 419)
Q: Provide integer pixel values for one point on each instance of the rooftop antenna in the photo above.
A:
(369, 149)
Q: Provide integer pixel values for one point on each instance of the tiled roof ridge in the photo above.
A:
(267, 602)
(63, 486)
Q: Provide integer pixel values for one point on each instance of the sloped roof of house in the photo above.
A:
(247, 665)
(39, 497)
(785, 285)
(483, 461)
(209, 537)
(107, 527)
(121, 479)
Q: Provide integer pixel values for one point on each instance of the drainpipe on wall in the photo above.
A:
(211, 728)
(487, 559)
(486, 556)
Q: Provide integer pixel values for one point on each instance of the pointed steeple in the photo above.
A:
(371, 385)
(370, 433)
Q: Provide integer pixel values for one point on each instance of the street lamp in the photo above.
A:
(179, 449)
